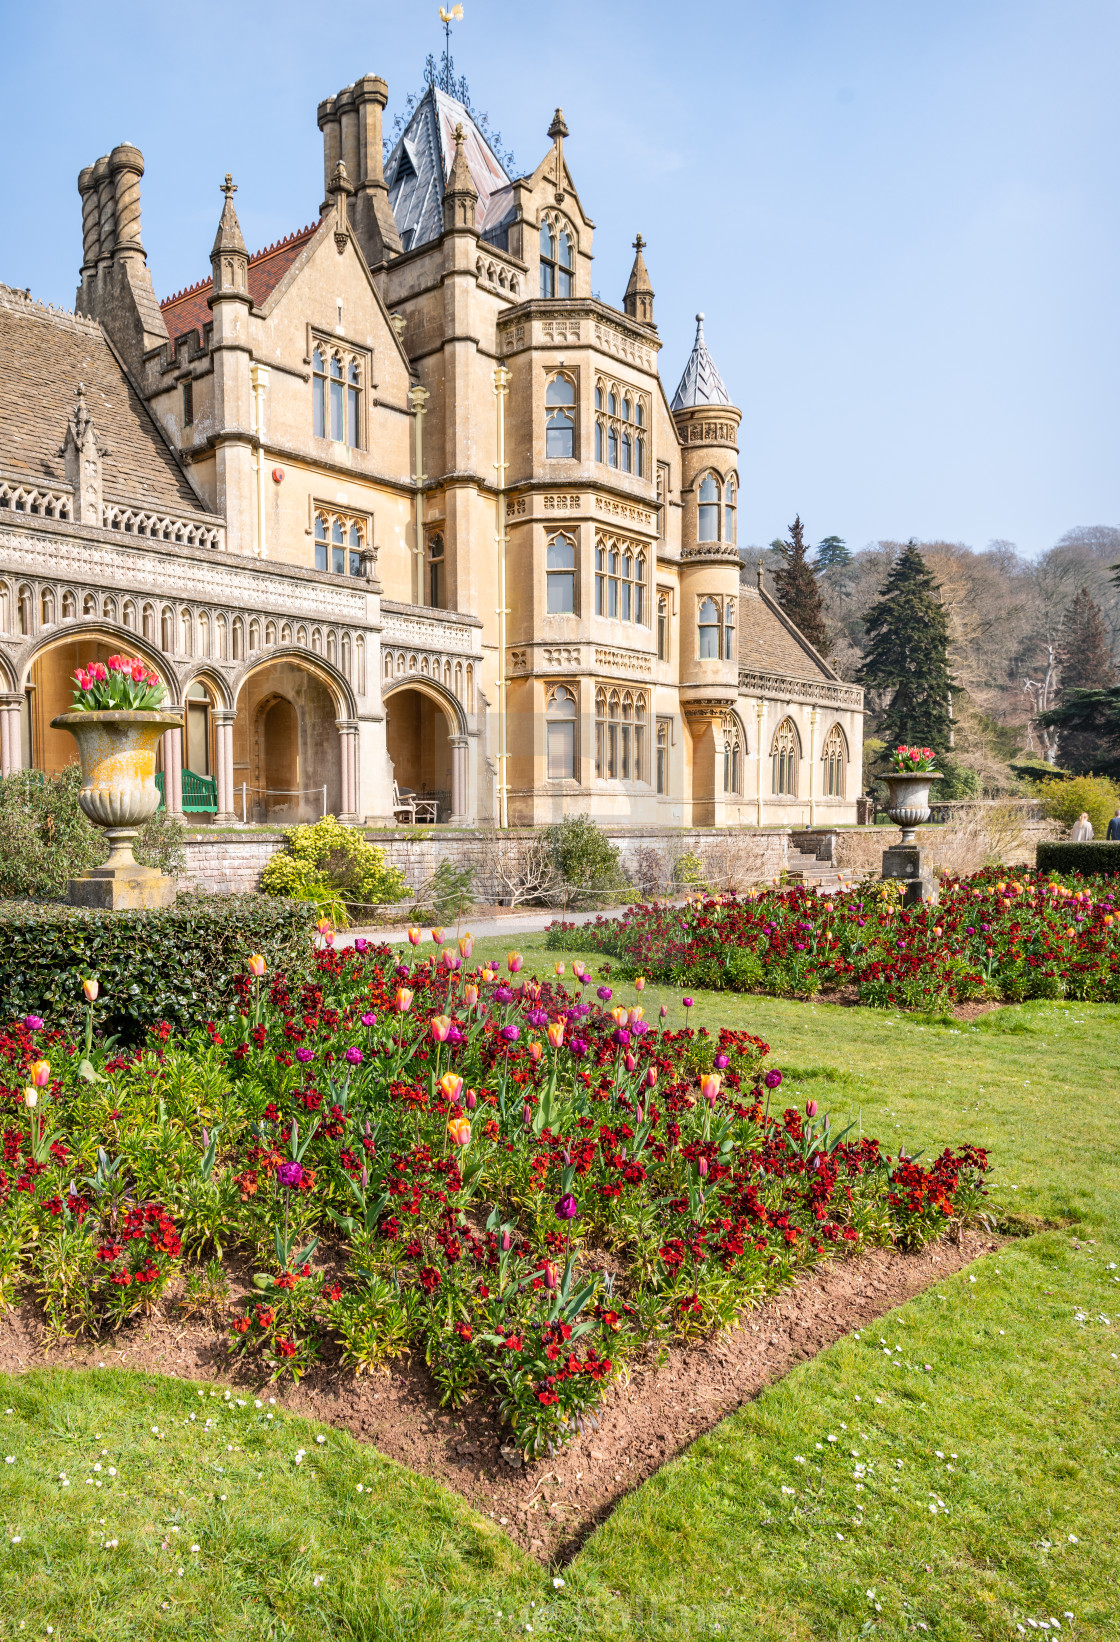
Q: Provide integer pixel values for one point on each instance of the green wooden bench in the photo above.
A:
(200, 793)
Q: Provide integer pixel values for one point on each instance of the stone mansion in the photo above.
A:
(397, 505)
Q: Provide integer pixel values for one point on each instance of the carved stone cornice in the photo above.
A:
(782, 687)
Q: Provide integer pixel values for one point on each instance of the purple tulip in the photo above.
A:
(640, 1028)
(305, 1055)
(536, 1017)
(369, 1019)
(621, 1037)
(721, 1061)
(354, 1055)
(510, 1033)
(810, 1108)
(687, 1002)
(502, 994)
(772, 1079)
(290, 1174)
(577, 1047)
(566, 1207)
(360, 943)
(603, 992)
(33, 1023)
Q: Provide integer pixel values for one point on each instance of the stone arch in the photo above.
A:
(426, 742)
(287, 738)
(435, 691)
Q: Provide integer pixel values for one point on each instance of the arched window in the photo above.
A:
(708, 618)
(626, 749)
(346, 656)
(69, 607)
(319, 393)
(338, 401)
(322, 553)
(640, 589)
(149, 623)
(729, 510)
(46, 608)
(254, 636)
(785, 755)
(627, 453)
(567, 264)
(355, 550)
(606, 734)
(598, 396)
(332, 647)
(834, 758)
(600, 442)
(709, 510)
(640, 456)
(338, 548)
(612, 446)
(360, 664)
(436, 571)
(203, 632)
(627, 587)
(560, 718)
(663, 755)
(26, 611)
(548, 259)
(560, 423)
(196, 731)
(188, 634)
(612, 403)
(560, 574)
(729, 629)
(470, 687)
(353, 405)
(662, 627)
(222, 638)
(732, 757)
(626, 411)
(238, 639)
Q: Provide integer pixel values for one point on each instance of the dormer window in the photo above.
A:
(557, 260)
(560, 420)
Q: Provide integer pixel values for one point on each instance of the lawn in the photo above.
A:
(981, 1494)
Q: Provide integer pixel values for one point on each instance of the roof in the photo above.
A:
(701, 383)
(420, 163)
(188, 311)
(44, 354)
(769, 642)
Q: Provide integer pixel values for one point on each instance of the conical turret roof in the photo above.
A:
(701, 383)
(229, 237)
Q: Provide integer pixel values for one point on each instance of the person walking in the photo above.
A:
(1113, 833)
(1082, 829)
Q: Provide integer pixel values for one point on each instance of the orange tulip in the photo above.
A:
(460, 1131)
(470, 996)
(466, 944)
(449, 958)
(415, 935)
(559, 969)
(403, 1000)
(90, 988)
(40, 1073)
(256, 966)
(640, 984)
(437, 936)
(514, 961)
(451, 1085)
(441, 1027)
(535, 1052)
(555, 1034)
(709, 1086)
(620, 1016)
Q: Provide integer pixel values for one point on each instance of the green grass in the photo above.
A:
(1022, 1387)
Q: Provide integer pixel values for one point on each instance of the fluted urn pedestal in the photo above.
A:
(908, 808)
(117, 752)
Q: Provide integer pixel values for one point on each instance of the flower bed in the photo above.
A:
(988, 938)
(524, 1184)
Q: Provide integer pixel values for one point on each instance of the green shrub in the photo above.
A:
(1065, 857)
(328, 865)
(177, 965)
(586, 861)
(957, 782)
(449, 893)
(45, 840)
(688, 872)
(1065, 800)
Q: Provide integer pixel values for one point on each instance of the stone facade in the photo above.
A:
(399, 501)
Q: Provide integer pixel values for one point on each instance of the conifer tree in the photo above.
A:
(797, 590)
(907, 658)
(832, 554)
(1084, 652)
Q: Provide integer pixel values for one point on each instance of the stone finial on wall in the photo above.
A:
(82, 455)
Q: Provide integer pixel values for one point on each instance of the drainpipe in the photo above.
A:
(501, 389)
(418, 398)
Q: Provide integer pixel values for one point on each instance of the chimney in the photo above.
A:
(373, 215)
(116, 286)
(331, 127)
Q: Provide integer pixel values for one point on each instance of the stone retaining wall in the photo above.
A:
(232, 862)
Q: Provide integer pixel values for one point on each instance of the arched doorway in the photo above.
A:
(49, 691)
(287, 764)
(426, 747)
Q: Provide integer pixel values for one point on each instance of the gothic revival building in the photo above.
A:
(397, 506)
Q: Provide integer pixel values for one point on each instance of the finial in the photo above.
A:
(460, 135)
(759, 569)
(229, 187)
(558, 128)
(640, 244)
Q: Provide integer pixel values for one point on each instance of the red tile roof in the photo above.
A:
(187, 310)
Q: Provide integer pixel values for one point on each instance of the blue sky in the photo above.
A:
(901, 220)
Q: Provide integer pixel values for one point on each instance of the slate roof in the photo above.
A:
(44, 354)
(768, 645)
(701, 383)
(417, 170)
(188, 311)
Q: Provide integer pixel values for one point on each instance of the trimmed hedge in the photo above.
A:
(177, 965)
(1095, 856)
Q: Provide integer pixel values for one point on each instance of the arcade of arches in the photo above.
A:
(288, 762)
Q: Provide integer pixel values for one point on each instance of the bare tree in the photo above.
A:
(518, 867)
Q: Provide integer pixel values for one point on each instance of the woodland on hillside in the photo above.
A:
(1023, 636)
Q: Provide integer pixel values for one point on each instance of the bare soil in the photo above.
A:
(550, 1506)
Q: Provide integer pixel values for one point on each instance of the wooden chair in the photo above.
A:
(404, 806)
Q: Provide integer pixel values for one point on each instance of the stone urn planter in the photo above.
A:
(908, 800)
(117, 752)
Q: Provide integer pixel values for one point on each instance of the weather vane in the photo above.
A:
(455, 15)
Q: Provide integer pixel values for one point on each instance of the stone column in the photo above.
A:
(223, 736)
(348, 764)
(11, 735)
(175, 804)
(459, 744)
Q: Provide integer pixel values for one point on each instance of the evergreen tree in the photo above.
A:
(907, 658)
(1084, 652)
(832, 554)
(1088, 722)
(797, 590)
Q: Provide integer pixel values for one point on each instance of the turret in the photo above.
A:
(460, 196)
(638, 301)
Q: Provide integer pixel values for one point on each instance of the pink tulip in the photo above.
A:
(440, 1027)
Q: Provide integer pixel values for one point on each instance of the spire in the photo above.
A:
(558, 131)
(460, 196)
(638, 301)
(83, 455)
(701, 383)
(229, 258)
